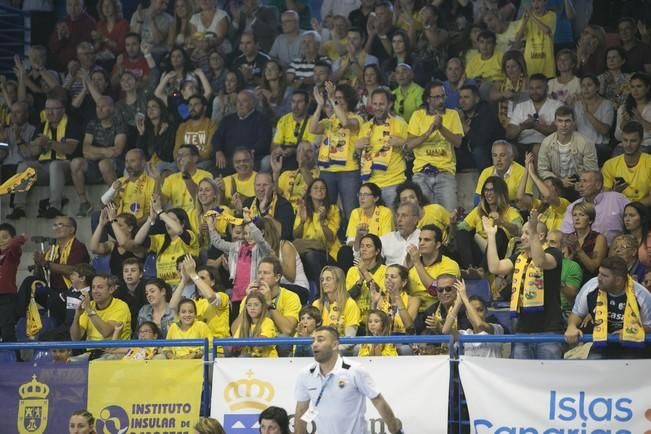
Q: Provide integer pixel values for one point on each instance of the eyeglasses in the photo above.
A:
(364, 194)
(445, 288)
(60, 225)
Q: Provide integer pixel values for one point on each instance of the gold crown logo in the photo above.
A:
(249, 393)
(34, 390)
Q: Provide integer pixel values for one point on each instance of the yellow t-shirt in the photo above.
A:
(198, 330)
(417, 289)
(292, 185)
(330, 48)
(638, 177)
(287, 303)
(553, 215)
(335, 136)
(166, 261)
(489, 69)
(117, 311)
(175, 189)
(330, 315)
(267, 330)
(243, 187)
(398, 326)
(379, 136)
(199, 135)
(135, 196)
(435, 214)
(380, 223)
(387, 350)
(215, 317)
(539, 47)
(364, 300)
(288, 131)
(436, 150)
(473, 220)
(312, 229)
(512, 178)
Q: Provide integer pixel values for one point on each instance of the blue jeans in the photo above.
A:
(541, 351)
(389, 195)
(344, 185)
(440, 188)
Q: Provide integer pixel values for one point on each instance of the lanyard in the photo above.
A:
(318, 399)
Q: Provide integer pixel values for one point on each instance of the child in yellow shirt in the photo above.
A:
(378, 324)
(255, 323)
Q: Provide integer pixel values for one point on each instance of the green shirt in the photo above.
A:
(571, 275)
(408, 102)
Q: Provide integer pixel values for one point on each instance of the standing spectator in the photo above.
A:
(267, 202)
(156, 133)
(637, 108)
(255, 17)
(380, 30)
(359, 17)
(39, 79)
(291, 130)
(335, 47)
(538, 29)
(289, 44)
(505, 31)
(76, 27)
(638, 53)
(431, 46)
(181, 31)
(111, 30)
(252, 61)
(17, 135)
(434, 133)
(198, 131)
(349, 66)
(300, 73)
(153, 25)
(594, 117)
(10, 251)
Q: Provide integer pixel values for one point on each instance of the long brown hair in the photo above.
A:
(247, 321)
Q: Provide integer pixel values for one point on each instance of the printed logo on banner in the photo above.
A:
(33, 407)
(112, 420)
(244, 394)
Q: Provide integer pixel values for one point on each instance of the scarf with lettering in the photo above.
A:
(528, 290)
(254, 211)
(373, 221)
(632, 331)
(223, 217)
(60, 256)
(376, 156)
(334, 149)
(19, 183)
(60, 135)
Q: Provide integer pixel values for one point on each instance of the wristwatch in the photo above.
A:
(91, 312)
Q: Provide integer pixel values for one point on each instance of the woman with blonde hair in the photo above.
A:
(208, 425)
(587, 247)
(337, 308)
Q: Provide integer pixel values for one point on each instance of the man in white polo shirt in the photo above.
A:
(394, 244)
(331, 393)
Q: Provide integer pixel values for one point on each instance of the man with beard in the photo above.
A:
(291, 129)
(197, 131)
(322, 400)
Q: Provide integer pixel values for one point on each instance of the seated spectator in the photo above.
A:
(625, 246)
(267, 202)
(533, 120)
(216, 72)
(475, 309)
(240, 186)
(153, 25)
(260, 19)
(339, 167)
(292, 184)
(636, 223)
(401, 54)
(637, 52)
(110, 31)
(246, 128)
(157, 310)
(514, 89)
(337, 308)
(380, 141)
(426, 263)
(616, 304)
(50, 153)
(571, 272)
(486, 66)
(434, 133)
(176, 240)
(39, 79)
(431, 46)
(289, 44)
(551, 206)
(103, 147)
(76, 27)
(225, 102)
(609, 206)
(147, 330)
(291, 129)
(434, 318)
(95, 319)
(80, 282)
(188, 327)
(430, 213)
(197, 131)
(254, 322)
(210, 19)
(506, 168)
(591, 50)
(131, 288)
(17, 136)
(629, 173)
(455, 79)
(637, 107)
(275, 92)
(252, 60)
(315, 229)
(566, 86)
(594, 117)
(565, 153)
(587, 247)
(493, 204)
(372, 217)
(378, 324)
(395, 244)
(156, 133)
(647, 281)
(348, 67)
(615, 83)
(505, 30)
(209, 200)
(408, 95)
(310, 319)
(537, 29)
(536, 287)
(367, 275)
(81, 69)
(300, 72)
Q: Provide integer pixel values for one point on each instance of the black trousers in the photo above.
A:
(8, 317)
(469, 253)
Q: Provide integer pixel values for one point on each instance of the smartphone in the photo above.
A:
(619, 180)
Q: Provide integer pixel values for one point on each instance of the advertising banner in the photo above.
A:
(416, 388)
(145, 397)
(40, 399)
(557, 396)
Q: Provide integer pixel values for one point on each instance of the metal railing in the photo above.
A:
(15, 37)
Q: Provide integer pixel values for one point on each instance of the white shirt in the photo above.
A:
(483, 349)
(546, 114)
(342, 408)
(394, 246)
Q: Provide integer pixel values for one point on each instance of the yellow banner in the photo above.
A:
(144, 397)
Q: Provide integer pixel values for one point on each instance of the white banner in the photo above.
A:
(416, 388)
(557, 397)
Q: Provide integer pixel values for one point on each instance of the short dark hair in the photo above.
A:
(194, 151)
(275, 263)
(633, 127)
(313, 312)
(435, 229)
(355, 30)
(564, 111)
(384, 91)
(479, 299)
(538, 77)
(111, 280)
(278, 415)
(85, 271)
(133, 35)
(134, 261)
(615, 264)
(303, 93)
(487, 34)
(201, 98)
(324, 64)
(329, 329)
(556, 182)
(8, 228)
(471, 87)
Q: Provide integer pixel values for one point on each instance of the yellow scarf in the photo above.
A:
(61, 257)
(633, 330)
(60, 135)
(376, 160)
(223, 217)
(33, 320)
(528, 290)
(19, 183)
(439, 315)
(334, 149)
(255, 212)
(373, 222)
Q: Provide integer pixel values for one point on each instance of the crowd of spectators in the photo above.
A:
(267, 171)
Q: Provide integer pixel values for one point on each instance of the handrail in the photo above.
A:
(533, 339)
(82, 345)
(402, 339)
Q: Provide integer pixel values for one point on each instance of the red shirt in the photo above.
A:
(9, 261)
(64, 50)
(117, 34)
(138, 67)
